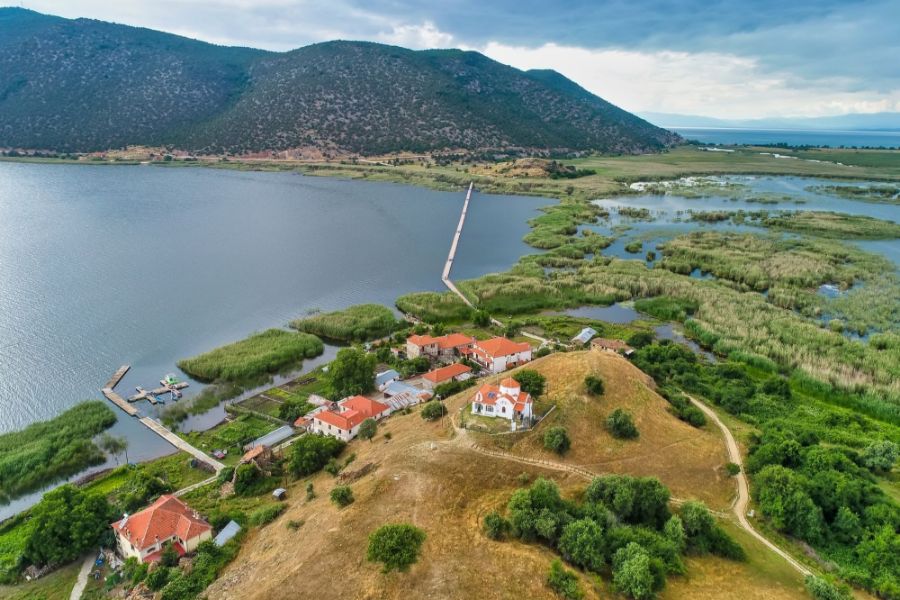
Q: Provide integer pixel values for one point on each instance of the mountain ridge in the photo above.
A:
(78, 85)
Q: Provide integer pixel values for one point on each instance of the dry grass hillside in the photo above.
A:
(431, 476)
(688, 460)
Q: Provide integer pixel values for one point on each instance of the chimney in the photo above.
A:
(124, 521)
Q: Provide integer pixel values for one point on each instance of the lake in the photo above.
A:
(792, 137)
(108, 265)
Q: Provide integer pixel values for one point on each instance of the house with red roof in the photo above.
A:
(445, 347)
(454, 372)
(344, 419)
(506, 401)
(499, 354)
(143, 534)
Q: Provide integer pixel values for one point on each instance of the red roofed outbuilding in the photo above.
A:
(456, 371)
(143, 534)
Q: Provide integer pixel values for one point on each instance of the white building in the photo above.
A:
(499, 354)
(507, 401)
(144, 534)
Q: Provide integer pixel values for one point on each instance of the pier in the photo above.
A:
(160, 429)
(112, 396)
(151, 395)
(445, 276)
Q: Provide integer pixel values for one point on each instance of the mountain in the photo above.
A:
(85, 85)
(884, 121)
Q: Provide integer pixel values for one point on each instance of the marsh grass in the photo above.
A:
(361, 322)
(260, 354)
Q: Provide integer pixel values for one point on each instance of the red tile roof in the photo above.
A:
(421, 340)
(346, 420)
(509, 382)
(500, 346)
(164, 518)
(253, 452)
(447, 373)
(369, 408)
(454, 340)
(354, 411)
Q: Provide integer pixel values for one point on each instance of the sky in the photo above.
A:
(717, 58)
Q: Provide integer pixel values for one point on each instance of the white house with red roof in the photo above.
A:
(454, 372)
(143, 534)
(506, 401)
(344, 419)
(443, 347)
(499, 354)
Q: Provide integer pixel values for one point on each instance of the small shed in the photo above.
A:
(585, 336)
(279, 494)
(228, 532)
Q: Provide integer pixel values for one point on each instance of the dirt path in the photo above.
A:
(743, 498)
(83, 575)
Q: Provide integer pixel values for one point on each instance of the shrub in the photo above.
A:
(310, 491)
(294, 525)
(564, 582)
(157, 579)
(557, 440)
(245, 477)
(636, 574)
(311, 452)
(594, 385)
(333, 467)
(445, 390)
(531, 382)
(396, 546)
(433, 410)
(822, 589)
(620, 424)
(732, 469)
(880, 456)
(342, 495)
(640, 339)
(692, 415)
(169, 556)
(266, 514)
(495, 526)
(367, 429)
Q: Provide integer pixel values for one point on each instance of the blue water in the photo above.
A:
(106, 265)
(792, 137)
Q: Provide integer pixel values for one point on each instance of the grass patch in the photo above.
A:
(50, 450)
(832, 225)
(260, 354)
(356, 323)
(231, 436)
(434, 307)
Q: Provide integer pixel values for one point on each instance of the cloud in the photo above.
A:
(418, 37)
(707, 83)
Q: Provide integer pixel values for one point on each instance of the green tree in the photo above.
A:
(783, 498)
(640, 339)
(564, 582)
(433, 410)
(352, 372)
(557, 440)
(395, 546)
(594, 385)
(582, 543)
(621, 425)
(846, 526)
(311, 452)
(342, 495)
(531, 382)
(157, 579)
(482, 318)
(67, 523)
(114, 445)
(367, 429)
(169, 556)
(673, 530)
(635, 573)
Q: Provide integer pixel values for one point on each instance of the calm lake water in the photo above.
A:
(793, 137)
(106, 265)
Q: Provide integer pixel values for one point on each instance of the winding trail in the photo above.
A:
(739, 507)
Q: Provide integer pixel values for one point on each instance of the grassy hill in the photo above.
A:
(85, 85)
(429, 475)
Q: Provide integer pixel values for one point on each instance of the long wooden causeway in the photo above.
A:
(179, 443)
(445, 276)
(113, 397)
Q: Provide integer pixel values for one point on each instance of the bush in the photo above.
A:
(822, 589)
(582, 543)
(495, 526)
(367, 429)
(157, 579)
(620, 424)
(266, 514)
(693, 416)
(732, 469)
(445, 390)
(557, 440)
(311, 452)
(342, 495)
(396, 546)
(531, 382)
(640, 339)
(433, 410)
(636, 574)
(245, 478)
(594, 385)
(880, 456)
(564, 582)
(169, 556)
(333, 467)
